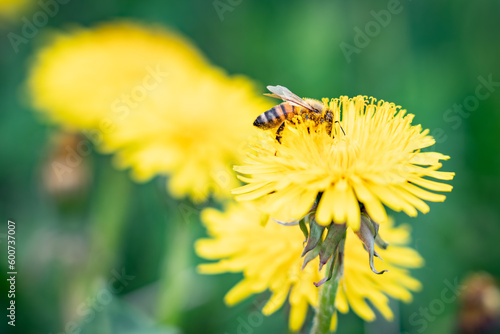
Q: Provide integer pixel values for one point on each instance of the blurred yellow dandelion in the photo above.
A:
(195, 140)
(83, 77)
(269, 257)
(12, 8)
(149, 96)
(371, 157)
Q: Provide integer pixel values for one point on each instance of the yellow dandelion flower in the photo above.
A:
(149, 96)
(241, 244)
(358, 155)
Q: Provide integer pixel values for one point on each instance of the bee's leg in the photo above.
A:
(328, 119)
(279, 132)
(329, 128)
(340, 127)
(306, 118)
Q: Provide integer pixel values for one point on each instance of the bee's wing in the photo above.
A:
(286, 95)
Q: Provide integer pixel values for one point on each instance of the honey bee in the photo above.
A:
(292, 106)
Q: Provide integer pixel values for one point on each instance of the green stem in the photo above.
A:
(175, 271)
(326, 308)
(108, 217)
(108, 213)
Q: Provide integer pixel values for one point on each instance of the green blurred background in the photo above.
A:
(427, 57)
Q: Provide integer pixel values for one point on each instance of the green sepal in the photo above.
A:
(337, 257)
(336, 232)
(315, 235)
(311, 255)
(303, 227)
(366, 235)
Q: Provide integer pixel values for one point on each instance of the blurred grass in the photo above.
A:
(428, 58)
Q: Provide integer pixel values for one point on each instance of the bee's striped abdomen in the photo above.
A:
(275, 116)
